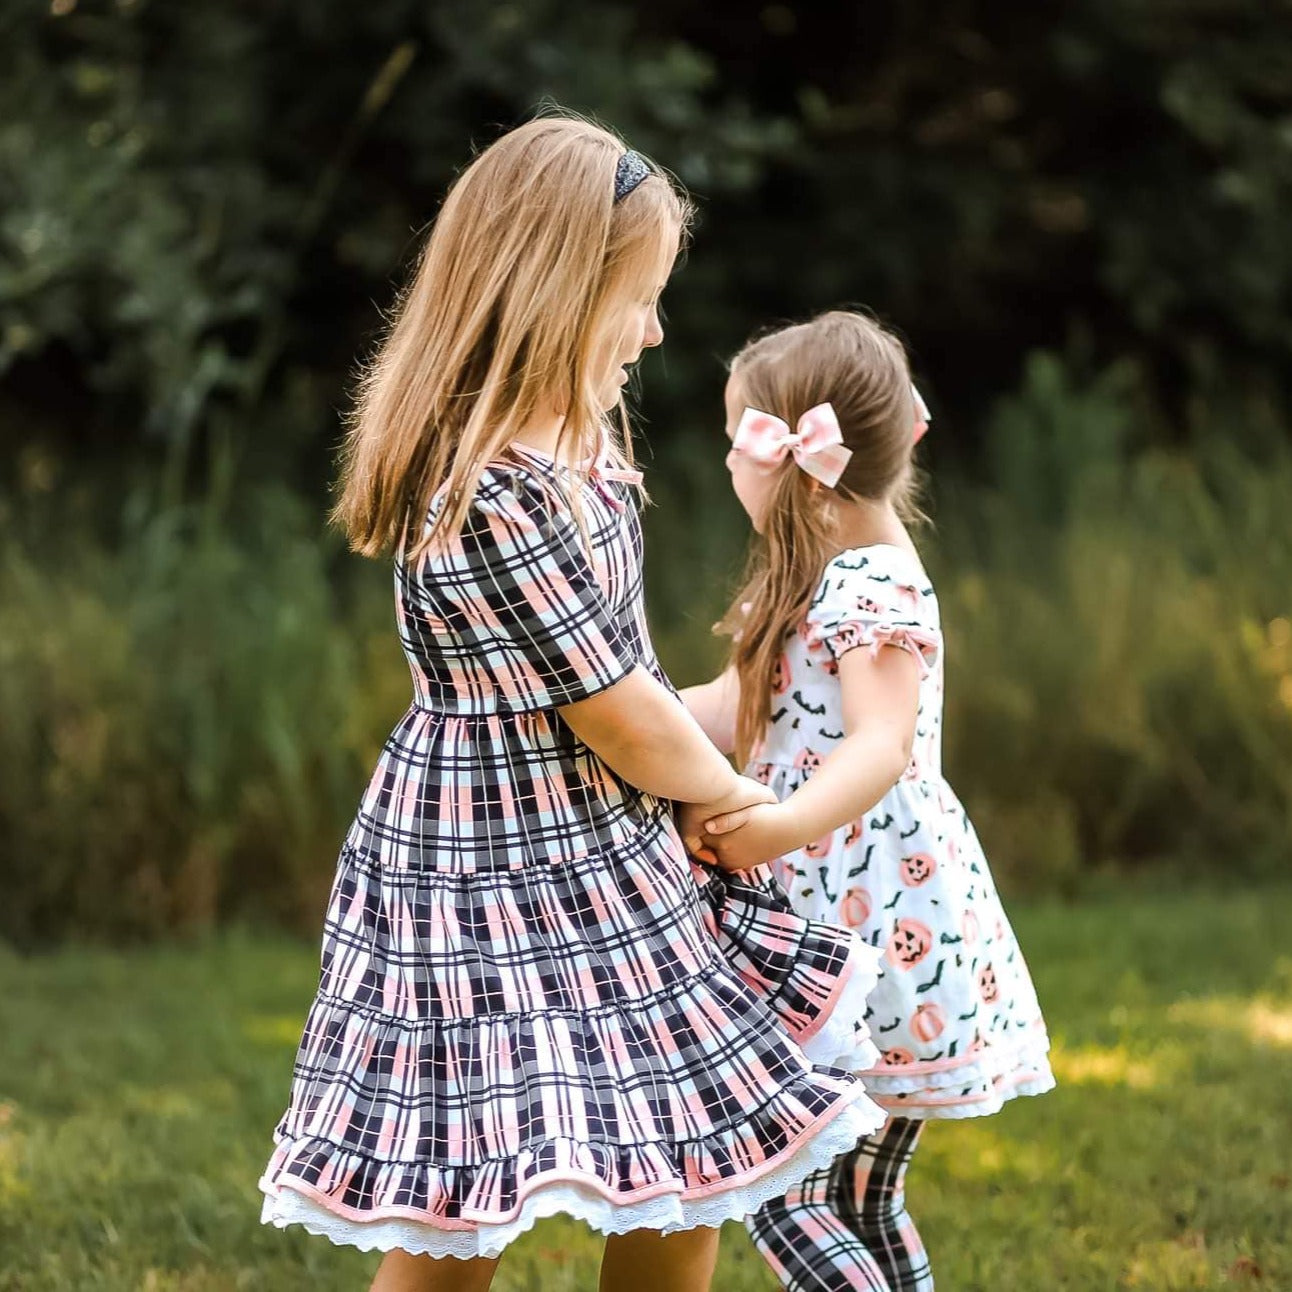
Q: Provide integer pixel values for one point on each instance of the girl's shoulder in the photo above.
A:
(520, 487)
(883, 564)
(516, 506)
(876, 596)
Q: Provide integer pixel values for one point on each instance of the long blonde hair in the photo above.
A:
(849, 361)
(522, 276)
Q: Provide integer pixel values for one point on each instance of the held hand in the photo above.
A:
(751, 836)
(692, 816)
(747, 792)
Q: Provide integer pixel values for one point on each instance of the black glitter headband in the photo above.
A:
(628, 174)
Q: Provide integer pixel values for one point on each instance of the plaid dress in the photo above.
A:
(527, 1003)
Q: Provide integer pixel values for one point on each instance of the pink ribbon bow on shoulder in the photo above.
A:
(601, 468)
(816, 444)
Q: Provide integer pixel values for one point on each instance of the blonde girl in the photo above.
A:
(523, 1008)
(833, 698)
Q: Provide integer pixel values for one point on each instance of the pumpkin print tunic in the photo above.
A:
(954, 1013)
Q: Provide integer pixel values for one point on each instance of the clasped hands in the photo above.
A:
(743, 830)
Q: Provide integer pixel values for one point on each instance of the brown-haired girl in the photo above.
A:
(833, 698)
(523, 1008)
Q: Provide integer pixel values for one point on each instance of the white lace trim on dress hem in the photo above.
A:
(666, 1213)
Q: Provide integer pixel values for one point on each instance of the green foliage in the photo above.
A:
(139, 1092)
(197, 229)
(1119, 641)
(191, 712)
(183, 201)
(188, 720)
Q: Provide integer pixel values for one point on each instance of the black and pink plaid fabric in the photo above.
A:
(846, 1228)
(521, 979)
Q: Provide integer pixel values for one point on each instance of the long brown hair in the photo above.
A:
(521, 278)
(849, 361)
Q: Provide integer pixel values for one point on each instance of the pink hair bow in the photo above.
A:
(816, 443)
(922, 415)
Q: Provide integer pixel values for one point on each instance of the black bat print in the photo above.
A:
(831, 735)
(897, 897)
(973, 1013)
(932, 982)
(890, 1026)
(865, 865)
(780, 713)
(877, 824)
(950, 939)
(906, 834)
(824, 871)
(815, 709)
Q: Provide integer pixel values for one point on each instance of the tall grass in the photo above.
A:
(1120, 641)
(188, 713)
(188, 717)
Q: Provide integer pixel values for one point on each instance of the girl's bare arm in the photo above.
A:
(714, 706)
(640, 731)
(881, 695)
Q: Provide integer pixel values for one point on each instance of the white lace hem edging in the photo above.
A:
(844, 1039)
(667, 1213)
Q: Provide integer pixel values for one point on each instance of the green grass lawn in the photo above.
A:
(138, 1091)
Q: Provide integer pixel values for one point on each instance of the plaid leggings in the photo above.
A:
(846, 1227)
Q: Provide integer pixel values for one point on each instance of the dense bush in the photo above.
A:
(191, 709)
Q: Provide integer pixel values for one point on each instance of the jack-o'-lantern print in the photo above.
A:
(918, 868)
(908, 944)
(961, 1025)
(847, 636)
(782, 678)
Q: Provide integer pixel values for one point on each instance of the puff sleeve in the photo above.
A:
(875, 597)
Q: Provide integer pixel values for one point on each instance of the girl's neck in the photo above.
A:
(543, 435)
(861, 522)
